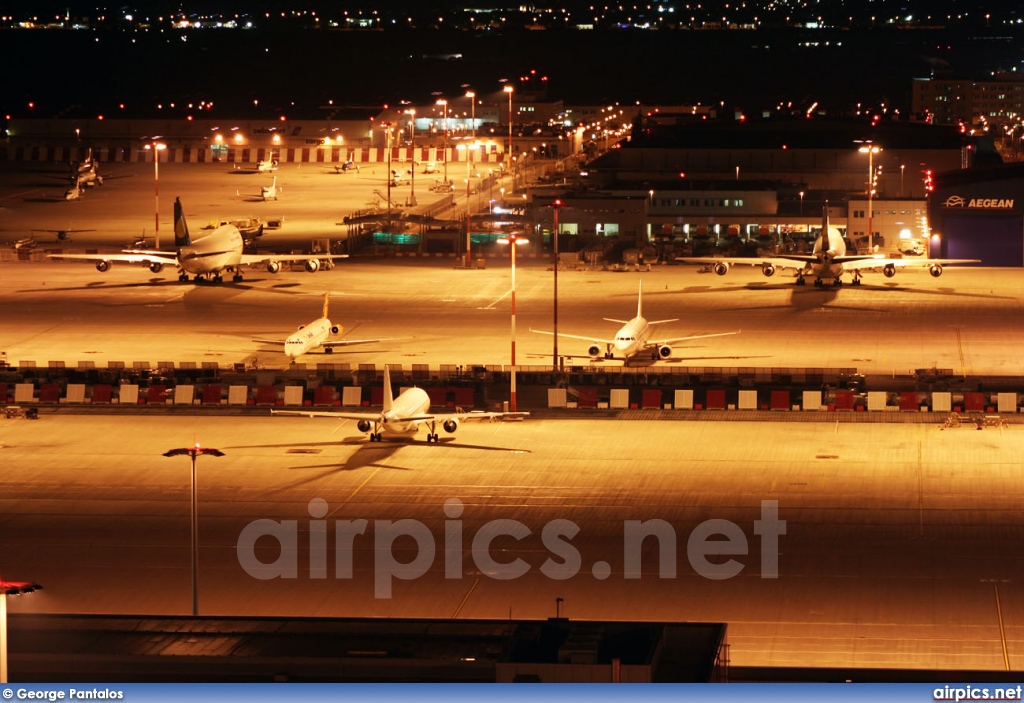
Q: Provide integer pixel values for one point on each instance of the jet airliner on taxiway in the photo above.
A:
(403, 416)
(206, 257)
(633, 337)
(827, 260)
(314, 335)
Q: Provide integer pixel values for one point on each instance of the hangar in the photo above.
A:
(979, 214)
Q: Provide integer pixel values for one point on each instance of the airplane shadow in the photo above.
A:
(371, 454)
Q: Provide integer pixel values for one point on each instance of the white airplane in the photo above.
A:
(271, 191)
(75, 192)
(204, 258)
(266, 166)
(403, 416)
(633, 337)
(88, 178)
(827, 260)
(88, 164)
(313, 335)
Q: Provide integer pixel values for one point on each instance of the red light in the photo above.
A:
(283, 118)
(99, 117)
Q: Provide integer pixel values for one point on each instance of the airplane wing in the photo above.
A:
(786, 261)
(576, 336)
(279, 342)
(323, 413)
(346, 342)
(659, 342)
(257, 259)
(860, 264)
(482, 415)
(128, 256)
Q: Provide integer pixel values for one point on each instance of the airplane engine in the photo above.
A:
(156, 267)
(664, 351)
(102, 266)
(889, 270)
(594, 351)
(450, 425)
(274, 266)
(364, 425)
(335, 329)
(935, 270)
(300, 327)
(313, 265)
(768, 270)
(721, 268)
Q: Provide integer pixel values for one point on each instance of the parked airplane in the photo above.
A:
(90, 177)
(633, 337)
(827, 260)
(87, 164)
(266, 166)
(271, 191)
(403, 416)
(206, 257)
(314, 335)
(75, 192)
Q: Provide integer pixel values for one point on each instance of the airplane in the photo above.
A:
(314, 334)
(633, 338)
(403, 416)
(349, 165)
(88, 178)
(207, 257)
(827, 260)
(75, 192)
(270, 192)
(87, 164)
(266, 166)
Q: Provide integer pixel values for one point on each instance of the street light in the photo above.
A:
(509, 89)
(445, 104)
(10, 588)
(513, 240)
(870, 149)
(157, 147)
(554, 352)
(472, 111)
(412, 138)
(194, 451)
(801, 202)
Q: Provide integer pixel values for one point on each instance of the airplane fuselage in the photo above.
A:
(826, 267)
(631, 338)
(221, 250)
(307, 338)
(411, 402)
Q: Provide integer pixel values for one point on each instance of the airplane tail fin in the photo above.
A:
(327, 302)
(181, 237)
(639, 300)
(826, 242)
(388, 400)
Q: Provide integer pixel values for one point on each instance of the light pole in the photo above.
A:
(870, 149)
(555, 206)
(472, 111)
(10, 588)
(801, 203)
(445, 147)
(156, 147)
(412, 138)
(509, 89)
(513, 240)
(194, 451)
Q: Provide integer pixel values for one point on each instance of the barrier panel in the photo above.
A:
(24, 393)
(75, 393)
(49, 393)
(352, 395)
(780, 400)
(942, 401)
(323, 395)
(437, 396)
(844, 400)
(747, 400)
(156, 395)
(909, 400)
(557, 398)
(293, 395)
(587, 398)
(1006, 402)
(213, 394)
(619, 398)
(812, 400)
(266, 395)
(683, 399)
(128, 393)
(184, 394)
(974, 402)
(238, 395)
(102, 392)
(877, 400)
(715, 399)
(651, 398)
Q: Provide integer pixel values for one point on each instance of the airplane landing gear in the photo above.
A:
(375, 436)
(432, 437)
(800, 281)
(237, 278)
(836, 282)
(818, 282)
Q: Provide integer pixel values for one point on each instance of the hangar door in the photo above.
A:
(996, 241)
